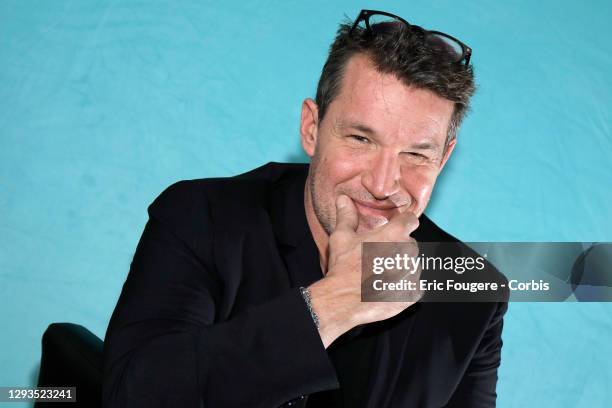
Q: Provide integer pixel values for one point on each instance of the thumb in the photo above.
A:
(346, 214)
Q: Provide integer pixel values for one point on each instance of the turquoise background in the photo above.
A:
(104, 104)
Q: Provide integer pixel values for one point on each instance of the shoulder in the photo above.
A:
(428, 231)
(233, 199)
(250, 185)
(449, 245)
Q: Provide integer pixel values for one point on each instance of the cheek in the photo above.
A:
(338, 168)
(419, 183)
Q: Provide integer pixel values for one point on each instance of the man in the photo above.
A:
(246, 291)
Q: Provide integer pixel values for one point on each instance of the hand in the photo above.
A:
(337, 297)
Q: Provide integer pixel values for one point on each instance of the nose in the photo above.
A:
(381, 178)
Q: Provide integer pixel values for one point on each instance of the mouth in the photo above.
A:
(370, 209)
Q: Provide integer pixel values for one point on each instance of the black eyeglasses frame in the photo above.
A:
(365, 15)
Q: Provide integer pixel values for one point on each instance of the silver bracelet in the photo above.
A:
(306, 295)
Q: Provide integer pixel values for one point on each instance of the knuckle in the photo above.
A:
(407, 231)
(416, 223)
(394, 231)
(402, 232)
(412, 221)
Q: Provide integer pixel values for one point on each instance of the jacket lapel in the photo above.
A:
(297, 246)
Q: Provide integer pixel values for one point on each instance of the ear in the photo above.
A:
(309, 125)
(447, 153)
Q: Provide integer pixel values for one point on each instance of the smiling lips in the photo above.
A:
(370, 209)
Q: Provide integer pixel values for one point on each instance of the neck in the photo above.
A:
(318, 233)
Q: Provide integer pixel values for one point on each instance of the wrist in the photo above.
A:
(334, 307)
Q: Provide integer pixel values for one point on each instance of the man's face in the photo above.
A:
(381, 143)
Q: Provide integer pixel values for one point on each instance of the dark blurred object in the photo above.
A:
(591, 277)
(72, 357)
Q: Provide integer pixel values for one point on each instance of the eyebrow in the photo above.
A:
(361, 127)
(426, 145)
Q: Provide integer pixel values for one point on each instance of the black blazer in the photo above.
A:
(211, 316)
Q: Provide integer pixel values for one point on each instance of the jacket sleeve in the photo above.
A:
(477, 387)
(164, 346)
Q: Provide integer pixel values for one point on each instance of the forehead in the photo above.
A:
(383, 102)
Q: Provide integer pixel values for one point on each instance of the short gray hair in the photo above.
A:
(403, 52)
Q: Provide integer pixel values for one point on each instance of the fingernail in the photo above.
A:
(342, 201)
